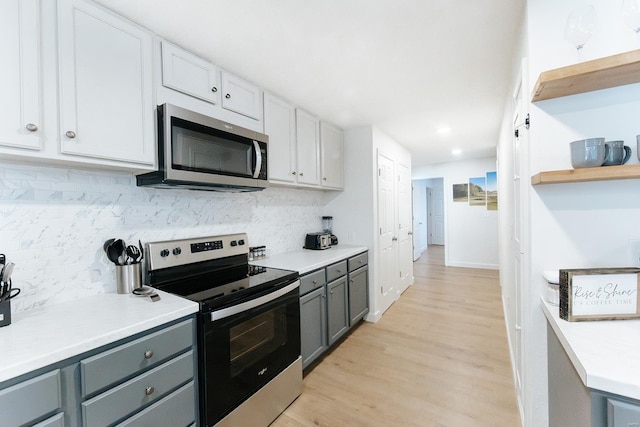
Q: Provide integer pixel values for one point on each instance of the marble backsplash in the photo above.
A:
(53, 223)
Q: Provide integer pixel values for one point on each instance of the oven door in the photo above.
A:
(243, 347)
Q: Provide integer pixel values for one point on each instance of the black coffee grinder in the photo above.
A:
(327, 226)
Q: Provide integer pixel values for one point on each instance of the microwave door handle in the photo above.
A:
(256, 147)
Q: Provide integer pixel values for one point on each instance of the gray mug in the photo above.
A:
(617, 154)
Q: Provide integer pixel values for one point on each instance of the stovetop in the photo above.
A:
(221, 289)
(212, 271)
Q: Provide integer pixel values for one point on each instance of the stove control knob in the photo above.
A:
(164, 253)
(241, 242)
(177, 251)
(234, 243)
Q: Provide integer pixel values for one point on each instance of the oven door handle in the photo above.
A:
(235, 309)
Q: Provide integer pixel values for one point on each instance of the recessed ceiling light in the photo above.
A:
(456, 152)
(444, 129)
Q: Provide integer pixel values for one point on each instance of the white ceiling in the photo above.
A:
(407, 67)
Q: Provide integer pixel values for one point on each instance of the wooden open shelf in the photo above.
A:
(611, 71)
(602, 173)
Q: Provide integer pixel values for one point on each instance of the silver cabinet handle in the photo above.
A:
(70, 134)
(214, 89)
(315, 282)
(228, 96)
(149, 391)
(293, 173)
(148, 354)
(31, 127)
(338, 271)
(301, 174)
(331, 292)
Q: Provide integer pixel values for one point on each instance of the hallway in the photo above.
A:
(438, 357)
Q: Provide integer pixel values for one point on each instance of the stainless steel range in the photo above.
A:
(249, 360)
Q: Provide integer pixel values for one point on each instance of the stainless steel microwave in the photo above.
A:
(202, 153)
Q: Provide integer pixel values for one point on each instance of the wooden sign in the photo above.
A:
(599, 294)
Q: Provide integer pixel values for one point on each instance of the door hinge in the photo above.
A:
(381, 231)
(382, 289)
(379, 171)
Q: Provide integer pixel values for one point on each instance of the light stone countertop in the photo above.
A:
(39, 337)
(307, 260)
(605, 353)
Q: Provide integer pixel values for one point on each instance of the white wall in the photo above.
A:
(471, 232)
(53, 223)
(421, 213)
(355, 211)
(570, 225)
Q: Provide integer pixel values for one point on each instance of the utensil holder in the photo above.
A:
(5, 313)
(128, 278)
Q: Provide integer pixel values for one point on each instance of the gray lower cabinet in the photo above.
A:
(571, 404)
(332, 300)
(31, 400)
(337, 309)
(358, 294)
(147, 380)
(313, 324)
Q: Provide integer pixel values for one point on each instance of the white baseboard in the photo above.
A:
(474, 265)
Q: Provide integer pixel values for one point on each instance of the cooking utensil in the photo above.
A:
(113, 254)
(141, 250)
(7, 270)
(10, 293)
(134, 254)
(119, 246)
(107, 243)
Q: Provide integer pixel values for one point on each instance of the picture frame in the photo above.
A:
(599, 294)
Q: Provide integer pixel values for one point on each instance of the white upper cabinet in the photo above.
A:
(308, 148)
(20, 103)
(190, 74)
(331, 156)
(241, 96)
(280, 126)
(105, 72)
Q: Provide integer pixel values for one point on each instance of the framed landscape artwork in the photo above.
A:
(477, 192)
(461, 192)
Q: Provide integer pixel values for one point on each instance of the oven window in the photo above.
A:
(253, 339)
(201, 149)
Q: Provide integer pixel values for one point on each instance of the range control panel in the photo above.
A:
(171, 253)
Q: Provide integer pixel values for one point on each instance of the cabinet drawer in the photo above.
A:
(336, 270)
(177, 409)
(114, 365)
(358, 261)
(55, 421)
(311, 281)
(138, 392)
(31, 399)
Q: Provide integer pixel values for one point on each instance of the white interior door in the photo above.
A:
(405, 233)
(387, 239)
(436, 215)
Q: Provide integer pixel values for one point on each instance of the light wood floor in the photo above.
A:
(438, 357)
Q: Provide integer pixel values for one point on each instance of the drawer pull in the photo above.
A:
(339, 271)
(315, 282)
(31, 127)
(149, 391)
(148, 354)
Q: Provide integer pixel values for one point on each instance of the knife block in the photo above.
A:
(5, 313)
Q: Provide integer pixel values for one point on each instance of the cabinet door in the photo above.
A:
(30, 400)
(358, 295)
(106, 103)
(308, 148)
(241, 96)
(187, 73)
(313, 325)
(20, 88)
(337, 309)
(280, 125)
(331, 156)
